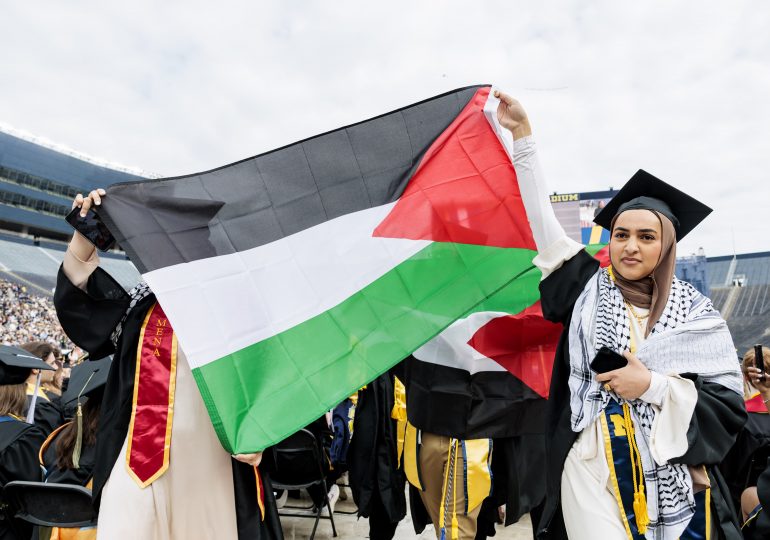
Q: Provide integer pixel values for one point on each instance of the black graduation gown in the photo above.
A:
(89, 317)
(761, 528)
(748, 457)
(718, 417)
(376, 480)
(19, 446)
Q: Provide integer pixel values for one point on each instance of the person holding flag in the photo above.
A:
(160, 471)
(646, 394)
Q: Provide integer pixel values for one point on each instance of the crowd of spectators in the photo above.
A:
(26, 316)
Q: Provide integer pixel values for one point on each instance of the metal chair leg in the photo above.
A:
(317, 519)
(331, 517)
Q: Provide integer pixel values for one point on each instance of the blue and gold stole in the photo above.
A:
(627, 479)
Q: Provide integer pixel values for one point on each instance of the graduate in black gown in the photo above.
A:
(102, 318)
(757, 526)
(680, 381)
(19, 442)
(747, 459)
(69, 453)
(376, 480)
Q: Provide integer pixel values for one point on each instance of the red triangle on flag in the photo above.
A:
(464, 191)
(524, 344)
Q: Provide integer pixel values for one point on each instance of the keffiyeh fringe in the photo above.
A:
(140, 291)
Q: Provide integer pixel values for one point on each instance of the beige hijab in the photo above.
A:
(652, 292)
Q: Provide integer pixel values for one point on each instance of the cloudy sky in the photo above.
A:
(681, 89)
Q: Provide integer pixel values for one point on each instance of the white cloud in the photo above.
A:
(677, 88)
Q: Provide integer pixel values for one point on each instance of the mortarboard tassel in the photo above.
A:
(31, 412)
(79, 420)
(79, 439)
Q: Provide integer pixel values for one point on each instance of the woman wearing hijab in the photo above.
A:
(631, 450)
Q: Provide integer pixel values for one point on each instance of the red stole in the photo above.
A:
(152, 412)
(755, 404)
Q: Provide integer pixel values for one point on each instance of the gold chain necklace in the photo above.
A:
(639, 318)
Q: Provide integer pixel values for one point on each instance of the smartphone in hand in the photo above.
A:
(608, 360)
(92, 228)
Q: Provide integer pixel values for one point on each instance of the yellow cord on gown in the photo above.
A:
(450, 470)
(640, 499)
(455, 524)
(442, 516)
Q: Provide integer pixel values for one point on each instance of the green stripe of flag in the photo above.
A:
(259, 395)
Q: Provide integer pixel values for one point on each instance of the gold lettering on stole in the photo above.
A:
(619, 424)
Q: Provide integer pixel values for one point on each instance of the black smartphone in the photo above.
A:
(759, 361)
(92, 228)
(608, 360)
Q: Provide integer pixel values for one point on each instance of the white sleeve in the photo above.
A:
(657, 390)
(553, 245)
(668, 439)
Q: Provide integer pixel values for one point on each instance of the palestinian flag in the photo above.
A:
(295, 277)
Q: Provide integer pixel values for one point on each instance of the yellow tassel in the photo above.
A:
(640, 499)
(79, 418)
(79, 439)
(640, 511)
(455, 528)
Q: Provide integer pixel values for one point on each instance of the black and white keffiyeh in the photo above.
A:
(689, 337)
(140, 291)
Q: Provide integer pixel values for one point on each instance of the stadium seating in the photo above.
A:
(30, 263)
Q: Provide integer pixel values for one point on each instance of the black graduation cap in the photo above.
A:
(644, 191)
(86, 378)
(16, 364)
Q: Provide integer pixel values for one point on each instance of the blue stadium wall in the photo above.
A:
(37, 185)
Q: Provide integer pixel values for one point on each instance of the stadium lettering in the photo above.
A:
(567, 197)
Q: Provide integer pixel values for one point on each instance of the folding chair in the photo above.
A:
(297, 463)
(51, 505)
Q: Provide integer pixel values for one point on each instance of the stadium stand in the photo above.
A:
(36, 266)
(39, 180)
(740, 290)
